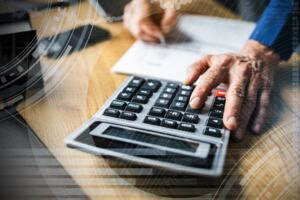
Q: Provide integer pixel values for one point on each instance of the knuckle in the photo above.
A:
(238, 91)
(268, 84)
(210, 77)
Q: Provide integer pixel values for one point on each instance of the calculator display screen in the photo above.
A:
(151, 139)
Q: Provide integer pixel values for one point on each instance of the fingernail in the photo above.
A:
(232, 123)
(188, 78)
(186, 81)
(195, 102)
(257, 128)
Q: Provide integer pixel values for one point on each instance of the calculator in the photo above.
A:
(149, 121)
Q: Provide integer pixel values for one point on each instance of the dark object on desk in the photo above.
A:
(73, 40)
(12, 17)
(111, 10)
(20, 70)
(29, 5)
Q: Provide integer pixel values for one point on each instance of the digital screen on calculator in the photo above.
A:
(151, 139)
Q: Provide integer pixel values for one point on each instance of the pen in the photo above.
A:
(163, 40)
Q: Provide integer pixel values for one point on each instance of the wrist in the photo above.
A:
(255, 49)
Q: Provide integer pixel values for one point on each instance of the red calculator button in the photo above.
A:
(220, 93)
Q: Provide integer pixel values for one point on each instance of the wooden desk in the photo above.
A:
(265, 166)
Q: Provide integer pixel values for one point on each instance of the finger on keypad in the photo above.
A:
(262, 111)
(195, 70)
(239, 78)
(248, 106)
(209, 80)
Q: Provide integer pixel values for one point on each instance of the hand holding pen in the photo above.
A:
(140, 18)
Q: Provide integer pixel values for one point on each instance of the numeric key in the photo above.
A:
(172, 85)
(158, 112)
(130, 89)
(152, 120)
(166, 96)
(183, 99)
(170, 90)
(187, 87)
(136, 82)
(216, 113)
(125, 96)
(147, 93)
(152, 85)
(133, 107)
(187, 127)
(215, 123)
(213, 132)
(178, 106)
(191, 118)
(163, 103)
(185, 93)
(169, 124)
(128, 116)
(120, 105)
(174, 115)
(111, 113)
(140, 99)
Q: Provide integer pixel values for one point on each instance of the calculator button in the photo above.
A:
(216, 113)
(152, 85)
(163, 103)
(166, 96)
(136, 82)
(140, 99)
(184, 93)
(174, 115)
(147, 93)
(213, 132)
(170, 90)
(120, 105)
(172, 85)
(215, 123)
(218, 106)
(158, 112)
(191, 118)
(220, 93)
(125, 96)
(169, 123)
(152, 120)
(191, 110)
(128, 116)
(111, 113)
(220, 100)
(187, 87)
(183, 99)
(178, 106)
(130, 89)
(134, 108)
(187, 127)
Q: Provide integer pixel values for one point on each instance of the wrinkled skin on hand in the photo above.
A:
(139, 19)
(249, 77)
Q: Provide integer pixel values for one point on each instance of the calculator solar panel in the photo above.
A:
(150, 121)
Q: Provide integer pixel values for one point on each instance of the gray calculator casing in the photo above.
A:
(138, 125)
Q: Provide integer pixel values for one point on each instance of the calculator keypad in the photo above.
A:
(169, 108)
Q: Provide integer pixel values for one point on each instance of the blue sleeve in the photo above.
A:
(275, 27)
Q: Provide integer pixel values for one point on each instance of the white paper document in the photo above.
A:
(193, 37)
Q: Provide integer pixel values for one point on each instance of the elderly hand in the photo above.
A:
(249, 75)
(139, 20)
